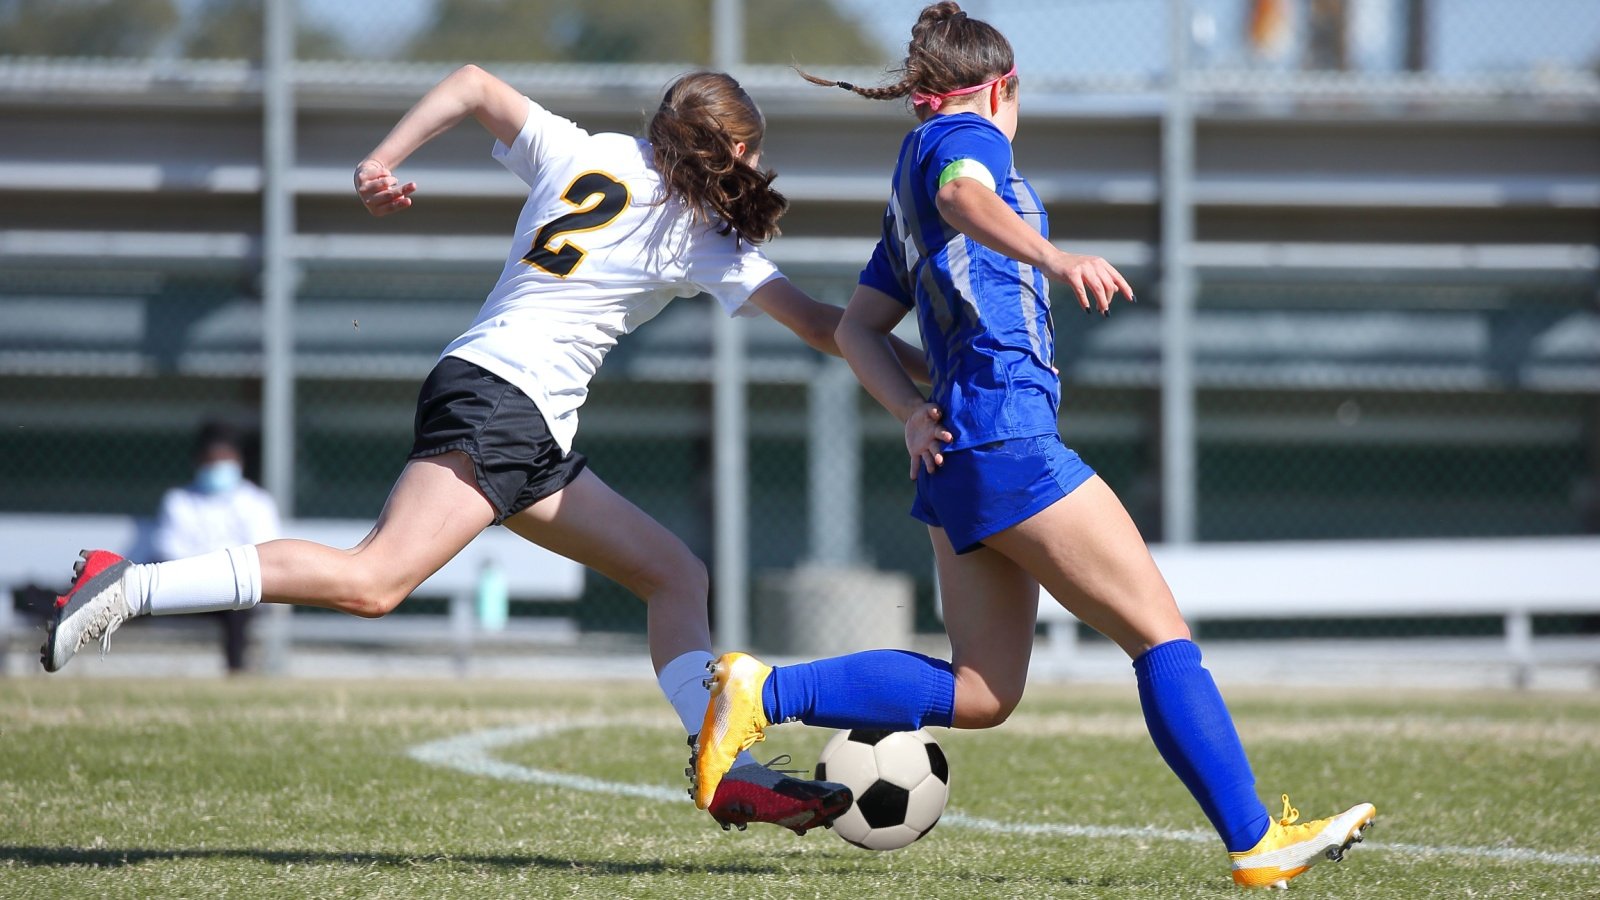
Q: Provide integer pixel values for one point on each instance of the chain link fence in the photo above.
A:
(1331, 402)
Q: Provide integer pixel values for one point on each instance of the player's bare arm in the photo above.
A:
(468, 91)
(816, 323)
(865, 342)
(979, 213)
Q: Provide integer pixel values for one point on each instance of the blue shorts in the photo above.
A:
(986, 489)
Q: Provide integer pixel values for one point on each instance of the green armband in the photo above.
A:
(966, 168)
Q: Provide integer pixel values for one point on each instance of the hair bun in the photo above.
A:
(937, 14)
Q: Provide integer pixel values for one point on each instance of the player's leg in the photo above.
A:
(235, 639)
(1085, 549)
(887, 689)
(990, 604)
(990, 607)
(892, 689)
(434, 509)
(590, 523)
(1087, 552)
(446, 495)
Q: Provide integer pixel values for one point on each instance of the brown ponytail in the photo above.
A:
(949, 50)
(701, 117)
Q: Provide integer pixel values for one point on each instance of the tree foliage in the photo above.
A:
(624, 31)
(231, 29)
(215, 29)
(563, 31)
(807, 33)
(86, 27)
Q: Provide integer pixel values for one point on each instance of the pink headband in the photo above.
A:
(934, 101)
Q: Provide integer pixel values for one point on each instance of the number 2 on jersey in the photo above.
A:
(599, 199)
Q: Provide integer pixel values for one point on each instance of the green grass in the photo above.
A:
(305, 789)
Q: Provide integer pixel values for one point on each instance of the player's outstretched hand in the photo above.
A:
(1089, 275)
(379, 190)
(926, 438)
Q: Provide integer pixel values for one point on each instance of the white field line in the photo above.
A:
(471, 753)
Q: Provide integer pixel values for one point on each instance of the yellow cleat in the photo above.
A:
(734, 720)
(1288, 849)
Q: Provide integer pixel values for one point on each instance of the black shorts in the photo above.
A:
(465, 407)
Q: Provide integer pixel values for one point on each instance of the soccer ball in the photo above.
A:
(900, 781)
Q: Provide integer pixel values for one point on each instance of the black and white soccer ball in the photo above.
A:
(900, 781)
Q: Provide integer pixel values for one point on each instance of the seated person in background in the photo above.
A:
(218, 508)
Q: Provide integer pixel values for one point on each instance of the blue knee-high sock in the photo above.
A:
(1194, 732)
(895, 690)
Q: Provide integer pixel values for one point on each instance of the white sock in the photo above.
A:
(224, 579)
(681, 681)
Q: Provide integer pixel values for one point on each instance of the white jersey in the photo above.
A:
(596, 254)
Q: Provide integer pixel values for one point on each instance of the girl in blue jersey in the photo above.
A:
(1008, 507)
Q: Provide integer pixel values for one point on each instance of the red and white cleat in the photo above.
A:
(757, 793)
(95, 606)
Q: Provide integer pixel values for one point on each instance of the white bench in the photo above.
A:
(40, 549)
(1513, 578)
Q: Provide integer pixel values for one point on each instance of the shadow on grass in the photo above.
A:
(113, 857)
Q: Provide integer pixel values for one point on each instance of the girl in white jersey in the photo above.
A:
(613, 229)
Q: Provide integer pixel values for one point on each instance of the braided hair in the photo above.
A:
(948, 51)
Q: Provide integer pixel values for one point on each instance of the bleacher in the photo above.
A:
(1404, 283)
(1510, 579)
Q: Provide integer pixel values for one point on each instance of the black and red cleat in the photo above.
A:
(757, 793)
(90, 610)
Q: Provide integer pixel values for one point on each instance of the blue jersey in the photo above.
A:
(984, 317)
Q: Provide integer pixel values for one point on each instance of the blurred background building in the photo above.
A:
(1365, 235)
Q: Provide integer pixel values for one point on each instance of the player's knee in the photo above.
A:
(996, 713)
(694, 573)
(985, 709)
(682, 572)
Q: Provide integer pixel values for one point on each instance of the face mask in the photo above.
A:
(217, 477)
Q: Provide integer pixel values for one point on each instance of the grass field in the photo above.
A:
(306, 789)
